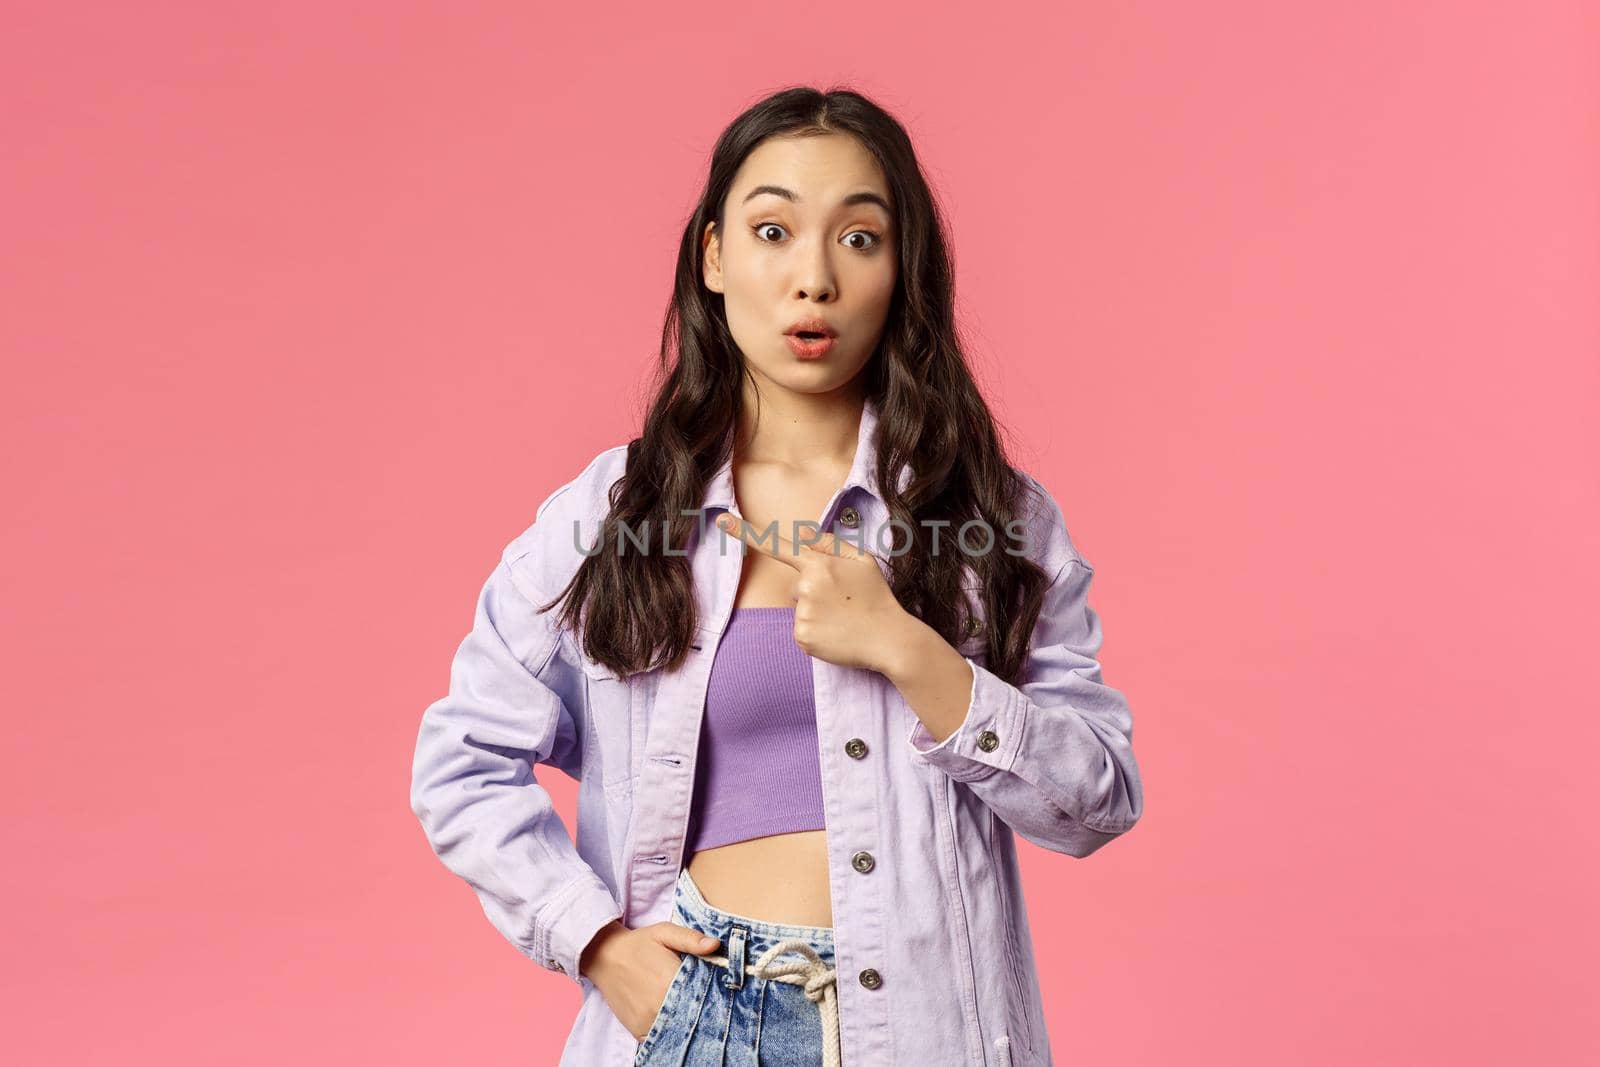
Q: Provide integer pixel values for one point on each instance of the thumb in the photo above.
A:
(684, 939)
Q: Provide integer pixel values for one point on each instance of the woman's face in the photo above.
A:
(808, 233)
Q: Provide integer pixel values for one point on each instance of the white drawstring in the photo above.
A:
(821, 986)
(819, 980)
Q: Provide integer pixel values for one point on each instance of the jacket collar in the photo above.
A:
(863, 468)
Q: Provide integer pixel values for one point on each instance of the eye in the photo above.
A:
(876, 240)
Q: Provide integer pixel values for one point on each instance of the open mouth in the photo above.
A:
(810, 344)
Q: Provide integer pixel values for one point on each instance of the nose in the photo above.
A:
(815, 279)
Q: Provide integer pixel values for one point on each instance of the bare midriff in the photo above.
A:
(780, 878)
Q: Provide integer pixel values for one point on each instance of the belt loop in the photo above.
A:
(737, 936)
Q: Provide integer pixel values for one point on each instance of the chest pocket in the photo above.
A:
(610, 708)
(974, 640)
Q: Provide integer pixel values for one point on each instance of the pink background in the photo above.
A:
(306, 306)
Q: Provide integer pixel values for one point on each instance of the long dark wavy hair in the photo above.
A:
(635, 610)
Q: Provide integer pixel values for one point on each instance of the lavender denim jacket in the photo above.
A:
(935, 960)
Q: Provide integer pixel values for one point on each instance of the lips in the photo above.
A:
(809, 348)
(811, 329)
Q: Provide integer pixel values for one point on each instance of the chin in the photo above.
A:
(814, 379)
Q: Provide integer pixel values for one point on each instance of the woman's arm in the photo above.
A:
(1054, 757)
(473, 788)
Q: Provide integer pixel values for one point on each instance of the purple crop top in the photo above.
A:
(758, 771)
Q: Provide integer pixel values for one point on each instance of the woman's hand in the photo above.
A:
(633, 968)
(844, 610)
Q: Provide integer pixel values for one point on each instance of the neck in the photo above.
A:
(799, 429)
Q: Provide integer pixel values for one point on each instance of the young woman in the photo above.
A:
(805, 738)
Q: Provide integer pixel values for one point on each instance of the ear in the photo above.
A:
(711, 249)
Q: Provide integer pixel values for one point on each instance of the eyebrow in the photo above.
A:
(849, 201)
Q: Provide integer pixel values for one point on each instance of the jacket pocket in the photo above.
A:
(609, 699)
(973, 640)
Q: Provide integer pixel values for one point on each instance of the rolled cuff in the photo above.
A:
(989, 736)
(569, 921)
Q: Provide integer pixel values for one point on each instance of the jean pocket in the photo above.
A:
(658, 1025)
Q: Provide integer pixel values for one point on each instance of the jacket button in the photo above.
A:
(855, 748)
(849, 517)
(988, 740)
(862, 861)
(871, 978)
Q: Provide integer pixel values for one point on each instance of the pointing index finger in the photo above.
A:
(781, 549)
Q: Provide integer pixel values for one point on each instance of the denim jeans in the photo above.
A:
(763, 998)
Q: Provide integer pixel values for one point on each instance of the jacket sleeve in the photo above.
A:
(473, 788)
(1052, 758)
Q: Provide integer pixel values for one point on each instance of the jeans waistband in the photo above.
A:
(780, 952)
(696, 912)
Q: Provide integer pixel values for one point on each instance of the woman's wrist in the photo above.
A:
(934, 678)
(905, 644)
(598, 954)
